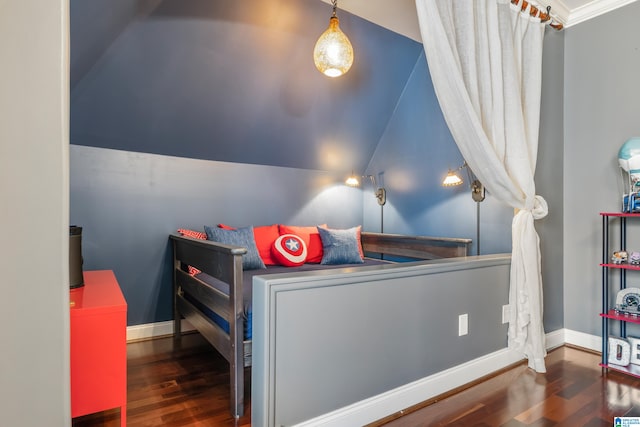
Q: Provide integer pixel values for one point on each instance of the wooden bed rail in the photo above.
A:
(420, 247)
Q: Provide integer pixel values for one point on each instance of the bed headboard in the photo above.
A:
(419, 247)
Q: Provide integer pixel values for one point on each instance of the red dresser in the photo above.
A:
(98, 314)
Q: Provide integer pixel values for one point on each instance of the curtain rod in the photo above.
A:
(536, 12)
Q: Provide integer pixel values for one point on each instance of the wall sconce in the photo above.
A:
(453, 178)
(379, 192)
(333, 53)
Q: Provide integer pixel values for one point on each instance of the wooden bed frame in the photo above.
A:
(224, 262)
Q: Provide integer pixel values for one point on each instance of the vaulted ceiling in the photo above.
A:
(234, 80)
(231, 81)
(97, 23)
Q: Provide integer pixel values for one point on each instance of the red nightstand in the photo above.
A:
(98, 314)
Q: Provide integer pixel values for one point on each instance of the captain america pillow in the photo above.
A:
(289, 250)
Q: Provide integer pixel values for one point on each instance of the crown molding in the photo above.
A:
(593, 9)
(570, 16)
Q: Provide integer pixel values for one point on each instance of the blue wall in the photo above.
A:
(128, 203)
(414, 154)
(200, 112)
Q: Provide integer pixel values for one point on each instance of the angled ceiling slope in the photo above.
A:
(94, 27)
(235, 82)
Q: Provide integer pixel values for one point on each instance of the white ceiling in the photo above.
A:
(400, 15)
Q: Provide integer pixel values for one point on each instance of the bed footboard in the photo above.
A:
(224, 263)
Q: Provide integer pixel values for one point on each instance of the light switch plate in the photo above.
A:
(463, 324)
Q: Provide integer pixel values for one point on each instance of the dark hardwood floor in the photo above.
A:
(167, 385)
(573, 392)
(188, 386)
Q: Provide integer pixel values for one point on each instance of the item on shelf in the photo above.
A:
(635, 350)
(629, 161)
(619, 351)
(634, 258)
(628, 301)
(619, 257)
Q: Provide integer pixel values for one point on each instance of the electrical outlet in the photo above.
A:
(506, 312)
(463, 324)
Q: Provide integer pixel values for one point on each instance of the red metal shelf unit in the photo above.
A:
(607, 313)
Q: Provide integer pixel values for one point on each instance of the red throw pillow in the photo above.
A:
(264, 235)
(194, 235)
(311, 238)
(290, 250)
(201, 235)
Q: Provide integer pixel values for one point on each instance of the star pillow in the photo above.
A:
(289, 250)
(311, 238)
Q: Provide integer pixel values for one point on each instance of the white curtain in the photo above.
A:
(485, 59)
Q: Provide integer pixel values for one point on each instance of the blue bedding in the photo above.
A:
(247, 281)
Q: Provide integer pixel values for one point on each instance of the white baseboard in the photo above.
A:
(580, 339)
(555, 339)
(154, 330)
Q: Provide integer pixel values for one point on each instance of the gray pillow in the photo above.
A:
(340, 246)
(239, 237)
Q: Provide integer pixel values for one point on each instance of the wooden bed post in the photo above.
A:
(177, 324)
(236, 335)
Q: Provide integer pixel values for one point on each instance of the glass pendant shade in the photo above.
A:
(352, 181)
(451, 179)
(333, 54)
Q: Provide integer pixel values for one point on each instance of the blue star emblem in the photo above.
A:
(292, 244)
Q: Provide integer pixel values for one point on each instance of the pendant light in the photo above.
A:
(333, 54)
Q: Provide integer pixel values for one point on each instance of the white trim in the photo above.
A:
(593, 9)
(572, 16)
(580, 339)
(154, 330)
(555, 339)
